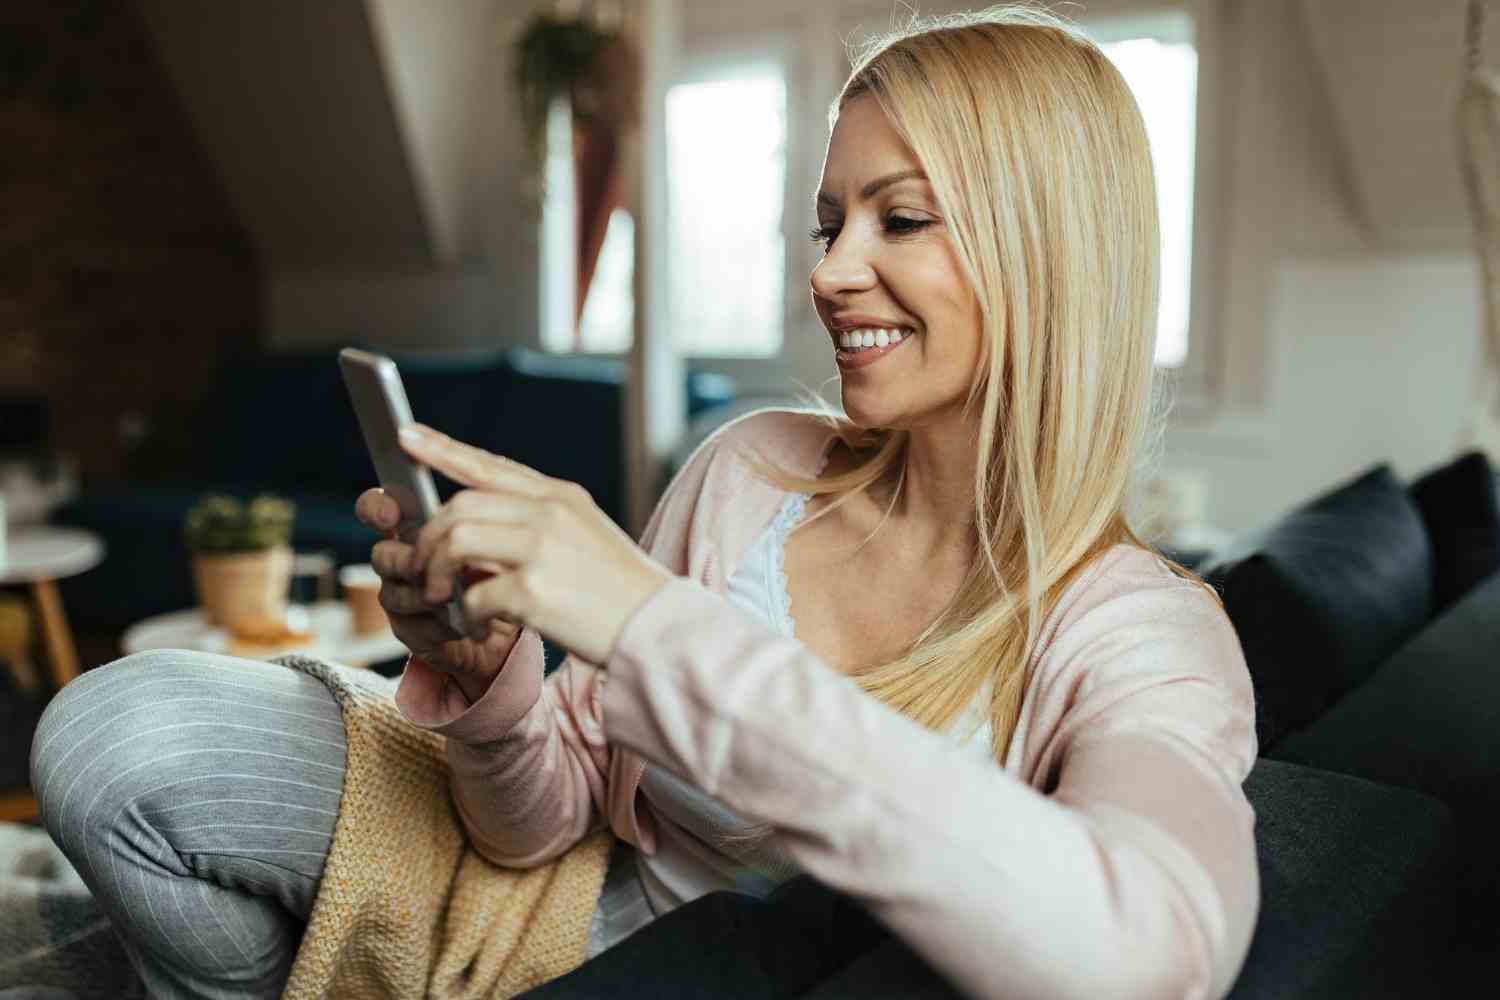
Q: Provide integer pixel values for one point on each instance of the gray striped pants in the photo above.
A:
(195, 794)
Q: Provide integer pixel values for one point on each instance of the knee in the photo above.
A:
(97, 722)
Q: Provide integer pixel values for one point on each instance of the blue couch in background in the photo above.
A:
(283, 423)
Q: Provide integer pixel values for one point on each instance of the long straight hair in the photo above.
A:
(1038, 156)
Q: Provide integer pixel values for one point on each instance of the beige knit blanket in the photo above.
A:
(407, 908)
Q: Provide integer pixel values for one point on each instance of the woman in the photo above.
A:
(914, 652)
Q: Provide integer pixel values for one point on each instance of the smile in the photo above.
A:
(882, 342)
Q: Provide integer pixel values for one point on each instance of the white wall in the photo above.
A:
(1371, 357)
(1337, 351)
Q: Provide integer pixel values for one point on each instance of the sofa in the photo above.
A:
(1370, 618)
(283, 423)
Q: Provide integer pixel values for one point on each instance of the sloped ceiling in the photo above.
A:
(372, 135)
(447, 70)
(292, 101)
(1392, 70)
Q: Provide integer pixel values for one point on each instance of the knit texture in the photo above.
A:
(407, 907)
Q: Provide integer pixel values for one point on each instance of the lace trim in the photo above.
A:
(791, 513)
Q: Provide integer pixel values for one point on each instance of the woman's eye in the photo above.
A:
(901, 224)
(898, 224)
(824, 235)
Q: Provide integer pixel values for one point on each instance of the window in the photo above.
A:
(726, 161)
(1160, 64)
(609, 309)
(726, 156)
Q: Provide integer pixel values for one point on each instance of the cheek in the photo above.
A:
(938, 292)
(961, 304)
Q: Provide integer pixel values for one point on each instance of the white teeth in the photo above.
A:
(872, 337)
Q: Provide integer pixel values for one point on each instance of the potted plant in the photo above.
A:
(241, 558)
(584, 59)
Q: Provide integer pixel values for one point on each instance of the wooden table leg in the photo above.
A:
(16, 651)
(17, 807)
(62, 655)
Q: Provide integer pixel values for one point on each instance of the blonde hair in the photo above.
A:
(1039, 159)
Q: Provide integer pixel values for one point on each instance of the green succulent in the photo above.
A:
(221, 523)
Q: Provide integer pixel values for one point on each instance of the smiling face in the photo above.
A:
(889, 263)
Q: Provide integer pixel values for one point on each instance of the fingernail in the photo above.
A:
(410, 435)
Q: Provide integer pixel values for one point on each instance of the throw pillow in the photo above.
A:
(1462, 515)
(1322, 595)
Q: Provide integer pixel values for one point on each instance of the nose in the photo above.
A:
(845, 268)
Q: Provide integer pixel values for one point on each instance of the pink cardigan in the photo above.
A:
(1112, 855)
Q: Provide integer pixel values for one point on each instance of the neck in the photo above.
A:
(936, 508)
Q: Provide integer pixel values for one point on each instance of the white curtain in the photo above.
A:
(1479, 134)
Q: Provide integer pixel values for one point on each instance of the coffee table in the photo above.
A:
(330, 622)
(39, 556)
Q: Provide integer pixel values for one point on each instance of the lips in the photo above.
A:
(853, 360)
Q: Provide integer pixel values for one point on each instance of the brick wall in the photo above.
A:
(125, 279)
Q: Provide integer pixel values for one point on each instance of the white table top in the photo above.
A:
(330, 622)
(45, 552)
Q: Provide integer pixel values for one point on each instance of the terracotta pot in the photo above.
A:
(246, 589)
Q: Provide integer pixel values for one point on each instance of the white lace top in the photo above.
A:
(702, 847)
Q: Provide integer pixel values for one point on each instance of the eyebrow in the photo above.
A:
(872, 188)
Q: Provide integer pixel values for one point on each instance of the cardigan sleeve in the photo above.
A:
(528, 762)
(1132, 875)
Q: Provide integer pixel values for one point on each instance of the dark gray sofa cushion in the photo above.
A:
(1458, 505)
(1322, 595)
(1356, 883)
(1429, 719)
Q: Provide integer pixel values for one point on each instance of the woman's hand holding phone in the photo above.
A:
(417, 622)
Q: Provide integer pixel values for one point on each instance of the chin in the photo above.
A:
(870, 418)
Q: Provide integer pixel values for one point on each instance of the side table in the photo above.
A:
(39, 556)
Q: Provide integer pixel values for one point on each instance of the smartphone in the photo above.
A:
(380, 403)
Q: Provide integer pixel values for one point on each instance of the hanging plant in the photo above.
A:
(592, 66)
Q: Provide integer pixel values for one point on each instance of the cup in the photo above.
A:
(362, 593)
(313, 574)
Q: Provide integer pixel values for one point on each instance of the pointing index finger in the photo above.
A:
(468, 465)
